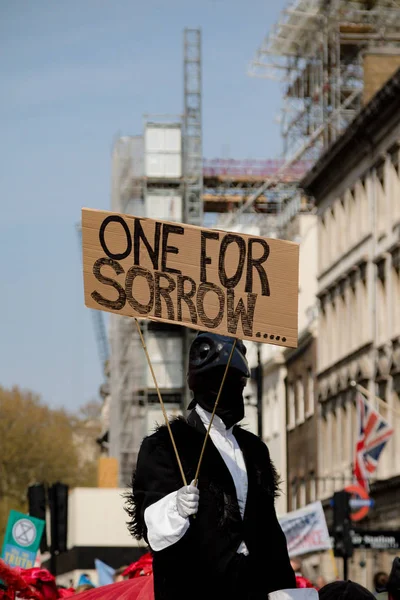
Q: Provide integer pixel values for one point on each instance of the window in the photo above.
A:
(347, 316)
(396, 291)
(341, 227)
(312, 487)
(339, 432)
(351, 220)
(323, 457)
(310, 393)
(332, 236)
(322, 245)
(353, 425)
(322, 339)
(291, 416)
(381, 302)
(357, 197)
(275, 413)
(267, 420)
(302, 499)
(396, 406)
(346, 435)
(334, 331)
(365, 312)
(380, 199)
(299, 401)
(333, 437)
(394, 184)
(381, 387)
(344, 315)
(293, 499)
(353, 330)
(362, 190)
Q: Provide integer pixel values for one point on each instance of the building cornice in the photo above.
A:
(343, 361)
(305, 339)
(273, 363)
(342, 257)
(381, 485)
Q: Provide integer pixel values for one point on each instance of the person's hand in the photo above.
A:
(187, 500)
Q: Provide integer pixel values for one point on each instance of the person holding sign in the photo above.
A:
(219, 539)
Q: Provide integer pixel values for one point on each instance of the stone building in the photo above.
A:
(356, 188)
(301, 427)
(288, 429)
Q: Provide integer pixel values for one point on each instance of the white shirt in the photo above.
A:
(164, 524)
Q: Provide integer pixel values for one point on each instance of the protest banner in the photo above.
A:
(306, 530)
(22, 540)
(233, 284)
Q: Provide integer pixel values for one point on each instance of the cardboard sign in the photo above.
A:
(233, 284)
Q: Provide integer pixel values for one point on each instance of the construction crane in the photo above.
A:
(98, 321)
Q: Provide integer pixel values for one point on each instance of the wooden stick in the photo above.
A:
(161, 402)
(366, 392)
(196, 477)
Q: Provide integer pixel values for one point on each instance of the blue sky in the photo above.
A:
(75, 74)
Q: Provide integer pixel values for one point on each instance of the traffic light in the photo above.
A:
(37, 508)
(58, 501)
(342, 525)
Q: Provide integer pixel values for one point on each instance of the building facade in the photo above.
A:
(274, 418)
(301, 427)
(300, 365)
(356, 187)
(300, 226)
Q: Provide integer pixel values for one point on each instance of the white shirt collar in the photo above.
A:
(217, 423)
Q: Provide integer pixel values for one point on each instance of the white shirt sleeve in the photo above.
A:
(165, 526)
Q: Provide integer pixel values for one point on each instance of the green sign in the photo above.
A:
(22, 540)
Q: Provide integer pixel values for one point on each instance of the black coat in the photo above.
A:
(204, 563)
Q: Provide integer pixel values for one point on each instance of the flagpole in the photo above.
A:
(364, 390)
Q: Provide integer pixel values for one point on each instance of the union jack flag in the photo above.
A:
(373, 434)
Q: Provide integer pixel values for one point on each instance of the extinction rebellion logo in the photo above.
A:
(24, 532)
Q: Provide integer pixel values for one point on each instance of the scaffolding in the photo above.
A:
(149, 173)
(192, 147)
(228, 184)
(127, 360)
(192, 129)
(318, 51)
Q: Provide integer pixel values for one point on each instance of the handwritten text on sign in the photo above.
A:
(234, 284)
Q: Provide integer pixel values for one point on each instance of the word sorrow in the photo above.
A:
(235, 284)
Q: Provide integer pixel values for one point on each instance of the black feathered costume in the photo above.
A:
(228, 550)
(205, 563)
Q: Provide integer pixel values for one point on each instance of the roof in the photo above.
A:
(356, 140)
